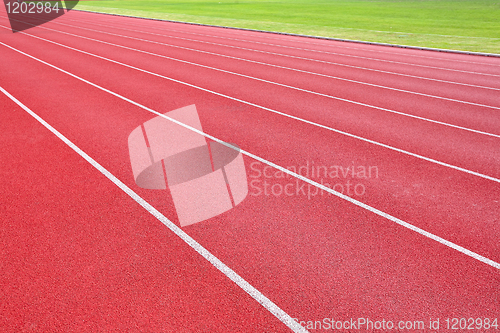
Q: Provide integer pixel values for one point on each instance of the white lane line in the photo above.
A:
(302, 41)
(285, 170)
(347, 55)
(276, 66)
(241, 33)
(232, 275)
(283, 85)
(359, 57)
(359, 49)
(314, 60)
(263, 108)
(309, 59)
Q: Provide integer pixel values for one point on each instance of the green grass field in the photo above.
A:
(471, 25)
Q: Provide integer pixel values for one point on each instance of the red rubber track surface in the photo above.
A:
(79, 255)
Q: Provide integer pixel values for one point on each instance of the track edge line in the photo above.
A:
(307, 36)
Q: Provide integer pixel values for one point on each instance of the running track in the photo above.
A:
(79, 254)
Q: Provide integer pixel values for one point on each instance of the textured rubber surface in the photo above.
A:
(79, 255)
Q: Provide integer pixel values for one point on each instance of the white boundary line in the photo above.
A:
(281, 67)
(350, 55)
(285, 170)
(267, 109)
(317, 60)
(311, 59)
(232, 275)
(260, 107)
(239, 32)
(359, 49)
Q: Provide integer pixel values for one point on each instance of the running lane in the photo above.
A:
(404, 177)
(315, 256)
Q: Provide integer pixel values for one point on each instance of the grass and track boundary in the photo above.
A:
(471, 26)
(301, 35)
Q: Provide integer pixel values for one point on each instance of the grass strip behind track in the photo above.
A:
(468, 25)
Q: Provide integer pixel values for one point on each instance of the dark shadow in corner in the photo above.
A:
(24, 15)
